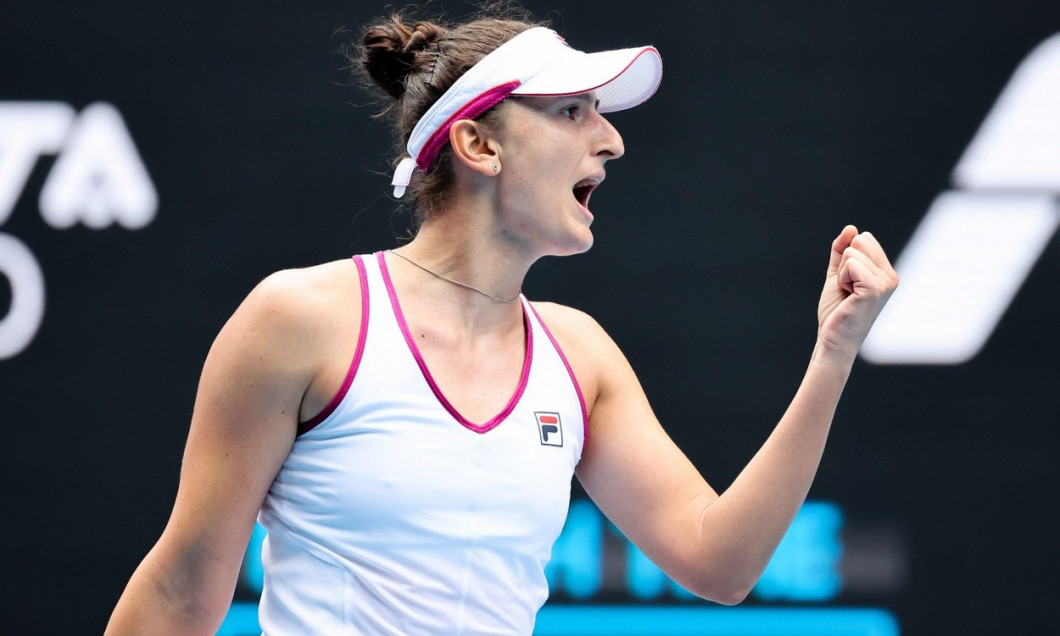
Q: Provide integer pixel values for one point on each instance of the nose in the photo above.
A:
(609, 142)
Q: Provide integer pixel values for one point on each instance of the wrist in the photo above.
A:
(841, 357)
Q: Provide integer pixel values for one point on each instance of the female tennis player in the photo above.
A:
(406, 424)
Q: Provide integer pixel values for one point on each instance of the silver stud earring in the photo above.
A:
(496, 168)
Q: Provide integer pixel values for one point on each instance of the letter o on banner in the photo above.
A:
(23, 319)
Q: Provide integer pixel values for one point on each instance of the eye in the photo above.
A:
(571, 111)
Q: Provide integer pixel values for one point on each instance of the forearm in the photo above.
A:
(741, 529)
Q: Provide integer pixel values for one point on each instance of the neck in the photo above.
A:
(464, 277)
(458, 283)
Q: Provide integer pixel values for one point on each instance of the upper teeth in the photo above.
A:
(585, 183)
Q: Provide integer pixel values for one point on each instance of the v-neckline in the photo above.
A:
(491, 423)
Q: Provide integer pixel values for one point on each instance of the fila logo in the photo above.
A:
(549, 428)
(98, 179)
(980, 240)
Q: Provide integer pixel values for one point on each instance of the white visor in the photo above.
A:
(535, 62)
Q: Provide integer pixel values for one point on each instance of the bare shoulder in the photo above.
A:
(279, 334)
(569, 324)
(305, 290)
(282, 341)
(302, 302)
(588, 348)
(293, 322)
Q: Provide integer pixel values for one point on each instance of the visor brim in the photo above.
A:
(622, 78)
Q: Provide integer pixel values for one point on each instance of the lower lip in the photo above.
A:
(585, 211)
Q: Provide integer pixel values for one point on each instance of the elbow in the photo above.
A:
(723, 590)
(731, 597)
(174, 591)
(724, 595)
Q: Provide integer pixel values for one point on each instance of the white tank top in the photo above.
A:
(393, 514)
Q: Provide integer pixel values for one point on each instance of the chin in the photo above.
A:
(588, 244)
(579, 246)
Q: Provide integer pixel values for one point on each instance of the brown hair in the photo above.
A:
(415, 63)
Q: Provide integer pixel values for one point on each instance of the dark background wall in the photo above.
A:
(776, 124)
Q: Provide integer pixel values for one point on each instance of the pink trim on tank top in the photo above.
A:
(336, 399)
(574, 380)
(411, 342)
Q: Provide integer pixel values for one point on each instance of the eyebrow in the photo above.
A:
(588, 98)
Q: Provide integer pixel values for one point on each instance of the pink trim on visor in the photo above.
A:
(470, 110)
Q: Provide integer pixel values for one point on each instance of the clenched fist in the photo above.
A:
(860, 279)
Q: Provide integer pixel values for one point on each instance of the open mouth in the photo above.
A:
(583, 189)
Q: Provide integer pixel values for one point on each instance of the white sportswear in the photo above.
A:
(393, 514)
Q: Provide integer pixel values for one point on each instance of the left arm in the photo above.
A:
(718, 546)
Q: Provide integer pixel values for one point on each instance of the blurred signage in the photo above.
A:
(593, 563)
(98, 179)
(979, 241)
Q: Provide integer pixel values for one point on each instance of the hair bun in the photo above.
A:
(393, 50)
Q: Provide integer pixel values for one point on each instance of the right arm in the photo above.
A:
(253, 383)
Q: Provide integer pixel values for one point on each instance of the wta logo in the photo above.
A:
(979, 241)
(98, 179)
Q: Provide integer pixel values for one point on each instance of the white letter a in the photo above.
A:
(99, 177)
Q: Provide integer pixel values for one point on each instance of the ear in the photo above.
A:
(474, 146)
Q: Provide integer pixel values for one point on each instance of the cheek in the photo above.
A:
(535, 170)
